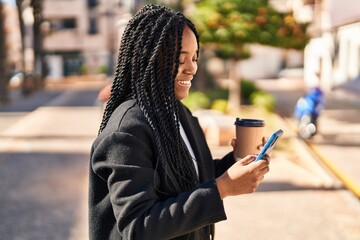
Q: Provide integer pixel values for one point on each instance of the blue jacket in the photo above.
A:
(312, 103)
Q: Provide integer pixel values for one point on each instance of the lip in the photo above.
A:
(189, 79)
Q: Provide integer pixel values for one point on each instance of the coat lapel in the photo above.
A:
(198, 143)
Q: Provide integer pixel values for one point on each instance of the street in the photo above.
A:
(44, 156)
(45, 142)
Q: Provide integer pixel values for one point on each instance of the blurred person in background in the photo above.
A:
(152, 175)
(307, 111)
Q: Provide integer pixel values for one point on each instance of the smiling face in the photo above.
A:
(187, 64)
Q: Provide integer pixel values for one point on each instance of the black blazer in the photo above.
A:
(123, 201)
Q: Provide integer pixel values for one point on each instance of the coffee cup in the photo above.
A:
(249, 134)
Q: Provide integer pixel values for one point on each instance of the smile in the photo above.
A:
(184, 82)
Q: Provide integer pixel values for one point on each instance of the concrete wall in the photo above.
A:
(267, 62)
(335, 54)
(343, 11)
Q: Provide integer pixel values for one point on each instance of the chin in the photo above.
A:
(182, 96)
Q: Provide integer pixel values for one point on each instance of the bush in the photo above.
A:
(217, 93)
(263, 100)
(217, 98)
(220, 105)
(84, 70)
(247, 88)
(103, 69)
(197, 100)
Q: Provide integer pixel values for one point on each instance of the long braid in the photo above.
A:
(147, 66)
(183, 169)
(121, 89)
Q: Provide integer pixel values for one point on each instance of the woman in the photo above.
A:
(152, 175)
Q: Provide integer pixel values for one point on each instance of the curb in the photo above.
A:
(348, 183)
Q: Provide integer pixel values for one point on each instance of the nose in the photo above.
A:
(190, 68)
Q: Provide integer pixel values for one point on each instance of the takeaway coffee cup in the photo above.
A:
(249, 134)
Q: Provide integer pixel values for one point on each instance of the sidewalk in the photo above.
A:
(298, 199)
(338, 140)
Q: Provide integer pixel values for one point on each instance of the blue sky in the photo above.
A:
(8, 1)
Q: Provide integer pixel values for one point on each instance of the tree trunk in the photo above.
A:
(234, 102)
(39, 70)
(4, 88)
(19, 4)
(284, 59)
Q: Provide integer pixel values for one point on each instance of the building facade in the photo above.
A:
(13, 38)
(332, 57)
(83, 36)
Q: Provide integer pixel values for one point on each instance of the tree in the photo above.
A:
(229, 26)
(4, 98)
(39, 60)
(19, 5)
(20, 10)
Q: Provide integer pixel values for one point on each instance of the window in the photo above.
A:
(60, 24)
(92, 3)
(93, 26)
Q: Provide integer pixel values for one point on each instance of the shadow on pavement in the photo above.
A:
(285, 186)
(42, 195)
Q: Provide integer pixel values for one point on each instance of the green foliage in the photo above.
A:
(217, 93)
(216, 98)
(103, 69)
(219, 105)
(228, 25)
(230, 51)
(247, 88)
(84, 70)
(263, 100)
(197, 100)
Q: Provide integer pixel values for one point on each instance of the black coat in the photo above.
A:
(123, 202)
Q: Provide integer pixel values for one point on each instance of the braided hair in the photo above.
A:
(147, 65)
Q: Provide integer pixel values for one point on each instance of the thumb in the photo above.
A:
(233, 142)
(246, 160)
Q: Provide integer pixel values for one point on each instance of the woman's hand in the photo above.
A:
(243, 177)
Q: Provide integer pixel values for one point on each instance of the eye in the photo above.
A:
(181, 60)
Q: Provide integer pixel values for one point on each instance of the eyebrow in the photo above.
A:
(186, 52)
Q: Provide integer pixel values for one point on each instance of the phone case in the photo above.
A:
(269, 145)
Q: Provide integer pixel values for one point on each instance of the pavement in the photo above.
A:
(45, 142)
(301, 197)
(44, 153)
(338, 141)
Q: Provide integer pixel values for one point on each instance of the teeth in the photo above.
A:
(184, 82)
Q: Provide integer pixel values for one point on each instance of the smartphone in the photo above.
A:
(269, 145)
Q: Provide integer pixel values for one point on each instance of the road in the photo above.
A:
(44, 153)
